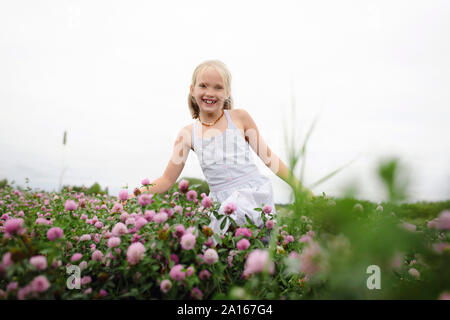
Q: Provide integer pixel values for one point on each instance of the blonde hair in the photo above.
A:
(222, 69)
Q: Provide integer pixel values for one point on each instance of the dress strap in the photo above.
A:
(230, 122)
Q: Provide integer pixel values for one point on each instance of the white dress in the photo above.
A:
(232, 175)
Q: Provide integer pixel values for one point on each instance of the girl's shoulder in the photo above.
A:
(238, 117)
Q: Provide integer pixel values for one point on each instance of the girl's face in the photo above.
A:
(210, 87)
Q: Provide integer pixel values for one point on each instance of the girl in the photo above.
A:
(220, 136)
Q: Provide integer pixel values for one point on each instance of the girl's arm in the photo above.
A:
(174, 167)
(270, 159)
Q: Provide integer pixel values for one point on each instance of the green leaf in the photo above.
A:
(222, 225)
(283, 280)
(217, 238)
(259, 243)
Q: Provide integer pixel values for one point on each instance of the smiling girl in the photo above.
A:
(220, 136)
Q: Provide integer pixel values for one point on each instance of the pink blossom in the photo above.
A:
(6, 260)
(145, 181)
(83, 265)
(178, 209)
(440, 247)
(135, 252)
(39, 262)
(243, 231)
(12, 286)
(102, 293)
(210, 256)
(42, 221)
(140, 222)
(174, 258)
(189, 213)
(189, 270)
(166, 285)
(204, 275)
(267, 209)
(230, 208)
(117, 207)
(207, 202)
(209, 242)
(97, 255)
(113, 242)
(149, 215)
(70, 205)
(193, 231)
(130, 220)
(257, 261)
(160, 217)
(432, 224)
(305, 238)
(243, 244)
(145, 199)
(86, 280)
(123, 216)
(414, 272)
(309, 259)
(183, 185)
(408, 226)
(119, 229)
(289, 238)
(196, 293)
(98, 225)
(443, 221)
(23, 292)
(270, 224)
(85, 237)
(176, 273)
(123, 195)
(13, 226)
(82, 203)
(77, 256)
(179, 231)
(311, 233)
(191, 195)
(444, 295)
(188, 241)
(54, 233)
(40, 284)
(169, 212)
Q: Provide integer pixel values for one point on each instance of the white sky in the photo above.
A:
(116, 74)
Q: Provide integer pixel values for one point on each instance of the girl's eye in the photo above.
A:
(202, 85)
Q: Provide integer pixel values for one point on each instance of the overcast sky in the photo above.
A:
(116, 75)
